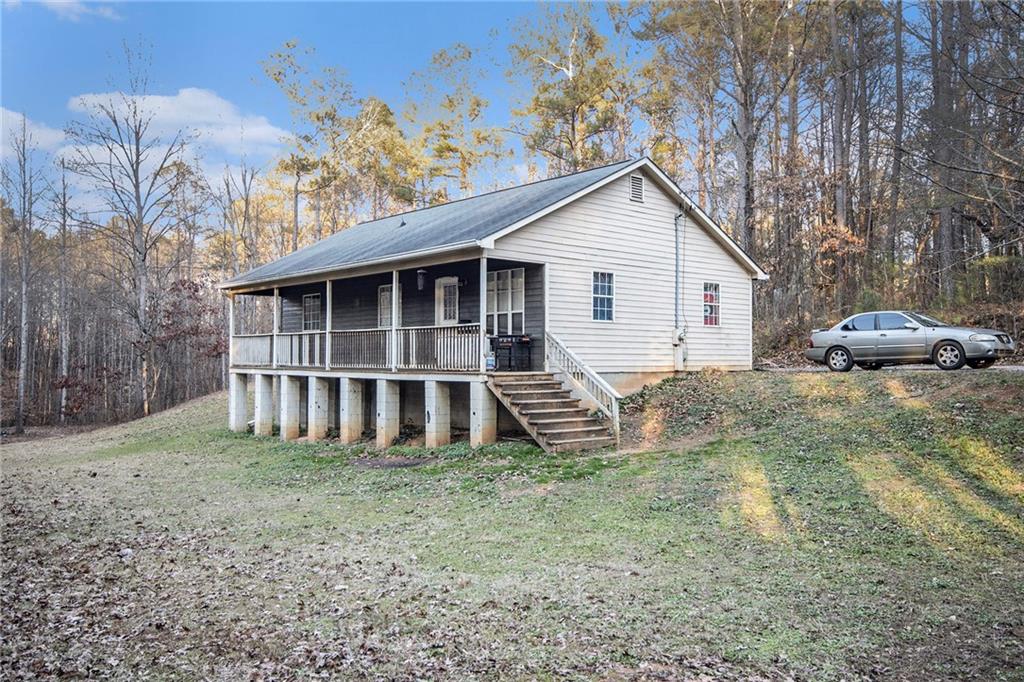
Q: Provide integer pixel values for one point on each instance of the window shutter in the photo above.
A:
(636, 188)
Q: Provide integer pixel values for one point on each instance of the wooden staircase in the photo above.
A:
(549, 413)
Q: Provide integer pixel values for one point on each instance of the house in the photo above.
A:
(532, 308)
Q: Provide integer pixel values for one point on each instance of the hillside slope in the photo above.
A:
(869, 525)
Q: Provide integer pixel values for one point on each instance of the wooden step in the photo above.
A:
(581, 431)
(552, 412)
(566, 444)
(560, 422)
(543, 394)
(528, 385)
(543, 404)
(548, 412)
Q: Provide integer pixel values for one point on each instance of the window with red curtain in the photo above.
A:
(712, 304)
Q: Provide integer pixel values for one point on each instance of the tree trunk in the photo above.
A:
(65, 315)
(942, 48)
(892, 231)
(25, 271)
(295, 213)
(863, 143)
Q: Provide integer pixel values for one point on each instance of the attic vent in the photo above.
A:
(636, 188)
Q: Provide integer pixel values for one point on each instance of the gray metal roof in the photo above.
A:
(464, 221)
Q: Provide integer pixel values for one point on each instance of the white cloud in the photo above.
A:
(521, 172)
(218, 124)
(74, 10)
(42, 136)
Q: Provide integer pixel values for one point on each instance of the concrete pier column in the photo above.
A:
(318, 408)
(483, 415)
(291, 402)
(264, 399)
(238, 402)
(350, 409)
(438, 417)
(388, 406)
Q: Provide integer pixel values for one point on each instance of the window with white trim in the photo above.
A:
(603, 303)
(636, 188)
(712, 304)
(311, 313)
(384, 306)
(506, 301)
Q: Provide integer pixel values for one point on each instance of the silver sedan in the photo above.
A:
(893, 337)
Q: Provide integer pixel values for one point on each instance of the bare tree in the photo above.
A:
(62, 208)
(20, 186)
(131, 166)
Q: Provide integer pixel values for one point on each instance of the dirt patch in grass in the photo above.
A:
(671, 411)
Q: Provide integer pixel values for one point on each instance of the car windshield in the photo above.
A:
(925, 320)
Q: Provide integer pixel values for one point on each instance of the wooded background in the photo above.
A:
(867, 154)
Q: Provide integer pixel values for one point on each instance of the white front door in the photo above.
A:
(446, 301)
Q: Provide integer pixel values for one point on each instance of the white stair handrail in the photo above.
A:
(584, 378)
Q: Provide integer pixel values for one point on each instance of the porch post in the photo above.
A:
(437, 420)
(327, 339)
(350, 409)
(547, 307)
(483, 415)
(388, 399)
(238, 402)
(264, 399)
(394, 320)
(483, 314)
(317, 408)
(290, 403)
(277, 324)
(231, 330)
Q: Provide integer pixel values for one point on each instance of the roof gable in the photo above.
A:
(667, 185)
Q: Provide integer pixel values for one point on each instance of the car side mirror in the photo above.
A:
(912, 325)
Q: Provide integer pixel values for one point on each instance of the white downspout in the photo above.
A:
(679, 332)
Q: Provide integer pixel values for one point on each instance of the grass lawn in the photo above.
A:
(816, 526)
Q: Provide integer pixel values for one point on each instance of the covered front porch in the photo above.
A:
(427, 317)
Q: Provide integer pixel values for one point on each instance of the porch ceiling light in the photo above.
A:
(421, 279)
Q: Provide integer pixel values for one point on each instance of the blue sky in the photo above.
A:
(54, 52)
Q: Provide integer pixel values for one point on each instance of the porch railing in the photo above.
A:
(302, 349)
(361, 349)
(252, 350)
(452, 348)
(562, 360)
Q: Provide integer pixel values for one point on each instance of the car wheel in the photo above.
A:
(839, 359)
(949, 355)
(980, 364)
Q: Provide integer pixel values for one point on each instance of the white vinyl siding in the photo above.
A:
(729, 344)
(605, 231)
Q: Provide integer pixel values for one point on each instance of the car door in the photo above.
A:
(897, 342)
(859, 335)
